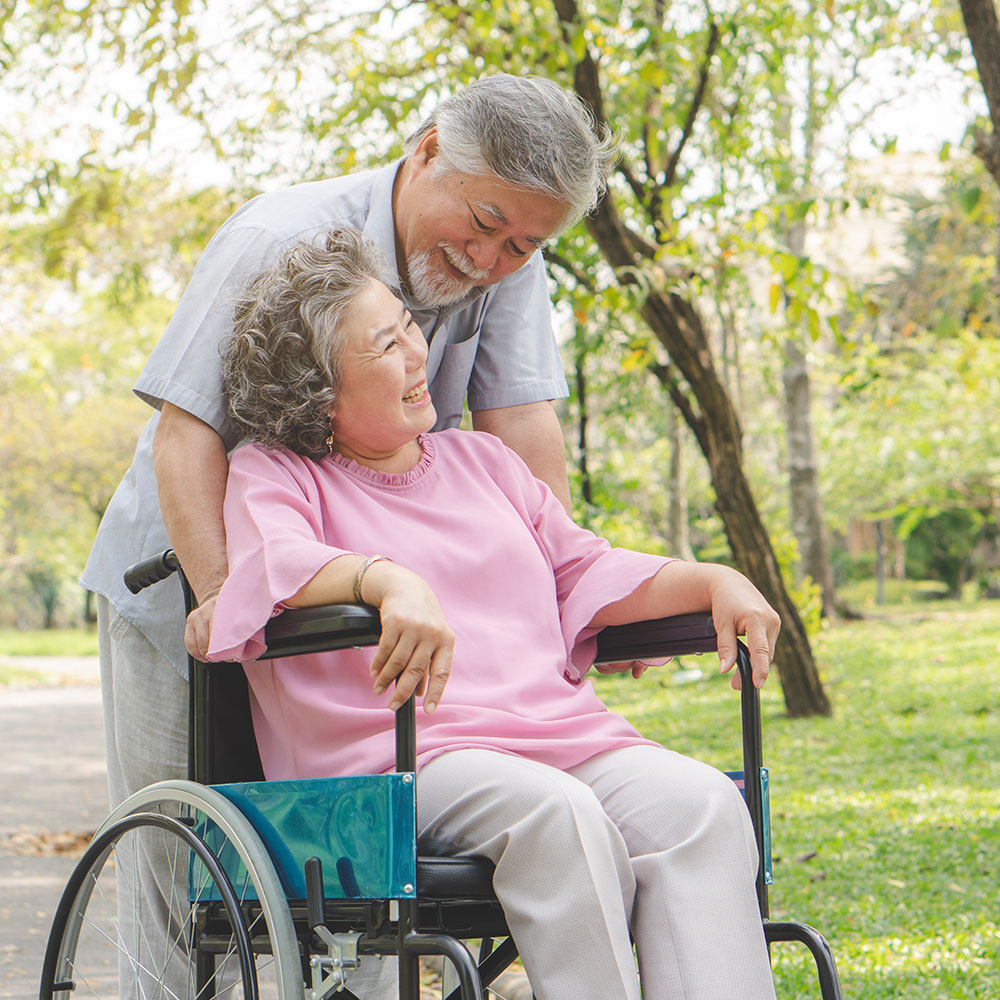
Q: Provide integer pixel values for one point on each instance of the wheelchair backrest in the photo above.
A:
(222, 746)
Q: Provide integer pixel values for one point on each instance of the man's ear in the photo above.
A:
(426, 149)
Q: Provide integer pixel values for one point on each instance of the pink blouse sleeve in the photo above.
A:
(589, 573)
(275, 544)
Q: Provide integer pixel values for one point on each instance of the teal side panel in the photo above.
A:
(363, 830)
(765, 798)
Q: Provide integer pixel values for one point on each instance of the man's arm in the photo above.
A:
(191, 466)
(533, 431)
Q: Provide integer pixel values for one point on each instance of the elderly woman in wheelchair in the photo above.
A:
(489, 598)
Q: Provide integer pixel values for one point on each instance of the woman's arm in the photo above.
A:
(416, 645)
(737, 607)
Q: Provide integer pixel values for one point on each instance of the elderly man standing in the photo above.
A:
(492, 174)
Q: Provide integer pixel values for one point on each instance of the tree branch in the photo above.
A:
(670, 173)
(694, 420)
(582, 279)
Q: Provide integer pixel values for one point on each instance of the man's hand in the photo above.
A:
(636, 667)
(198, 630)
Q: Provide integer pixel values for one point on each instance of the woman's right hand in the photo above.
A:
(417, 645)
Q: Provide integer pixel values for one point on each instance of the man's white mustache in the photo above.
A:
(463, 262)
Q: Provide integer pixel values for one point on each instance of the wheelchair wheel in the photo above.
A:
(209, 933)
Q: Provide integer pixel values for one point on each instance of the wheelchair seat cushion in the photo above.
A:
(440, 878)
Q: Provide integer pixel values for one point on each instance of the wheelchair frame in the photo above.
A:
(312, 942)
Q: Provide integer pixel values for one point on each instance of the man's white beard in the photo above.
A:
(433, 287)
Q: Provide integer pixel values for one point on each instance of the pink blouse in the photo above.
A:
(517, 580)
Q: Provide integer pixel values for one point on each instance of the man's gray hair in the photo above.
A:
(281, 363)
(529, 132)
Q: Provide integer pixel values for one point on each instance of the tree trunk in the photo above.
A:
(717, 430)
(803, 477)
(805, 500)
(678, 537)
(583, 445)
(714, 423)
(984, 33)
(981, 26)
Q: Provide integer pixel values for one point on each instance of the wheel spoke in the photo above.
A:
(110, 924)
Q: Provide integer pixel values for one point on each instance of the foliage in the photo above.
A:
(709, 101)
(948, 282)
(91, 260)
(884, 820)
(917, 389)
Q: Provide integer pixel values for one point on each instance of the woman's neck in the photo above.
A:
(401, 460)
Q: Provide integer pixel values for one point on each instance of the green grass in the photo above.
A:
(48, 642)
(886, 818)
(11, 676)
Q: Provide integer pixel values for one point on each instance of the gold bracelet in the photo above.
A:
(360, 575)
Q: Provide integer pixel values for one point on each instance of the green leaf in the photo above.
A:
(774, 297)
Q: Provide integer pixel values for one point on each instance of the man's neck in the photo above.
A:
(399, 209)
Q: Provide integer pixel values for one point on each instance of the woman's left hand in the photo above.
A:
(739, 608)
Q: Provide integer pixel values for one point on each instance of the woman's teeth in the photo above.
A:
(415, 393)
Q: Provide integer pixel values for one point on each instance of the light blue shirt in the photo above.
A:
(494, 349)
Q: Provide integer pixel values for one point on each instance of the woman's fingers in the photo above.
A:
(760, 645)
(440, 670)
(417, 658)
(739, 609)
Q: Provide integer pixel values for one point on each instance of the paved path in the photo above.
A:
(52, 793)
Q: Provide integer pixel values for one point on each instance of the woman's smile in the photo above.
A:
(418, 395)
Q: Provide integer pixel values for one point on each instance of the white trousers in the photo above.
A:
(639, 840)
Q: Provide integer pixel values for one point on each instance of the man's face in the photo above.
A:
(456, 231)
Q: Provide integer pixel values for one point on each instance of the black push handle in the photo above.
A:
(144, 574)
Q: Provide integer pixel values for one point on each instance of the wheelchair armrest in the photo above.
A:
(297, 631)
(324, 627)
(674, 636)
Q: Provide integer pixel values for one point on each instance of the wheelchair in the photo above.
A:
(291, 884)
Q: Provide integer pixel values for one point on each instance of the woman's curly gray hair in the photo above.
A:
(281, 363)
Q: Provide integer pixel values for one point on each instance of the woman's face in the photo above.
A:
(383, 403)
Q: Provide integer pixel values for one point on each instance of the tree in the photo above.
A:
(917, 394)
(675, 321)
(632, 62)
(91, 258)
(981, 25)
